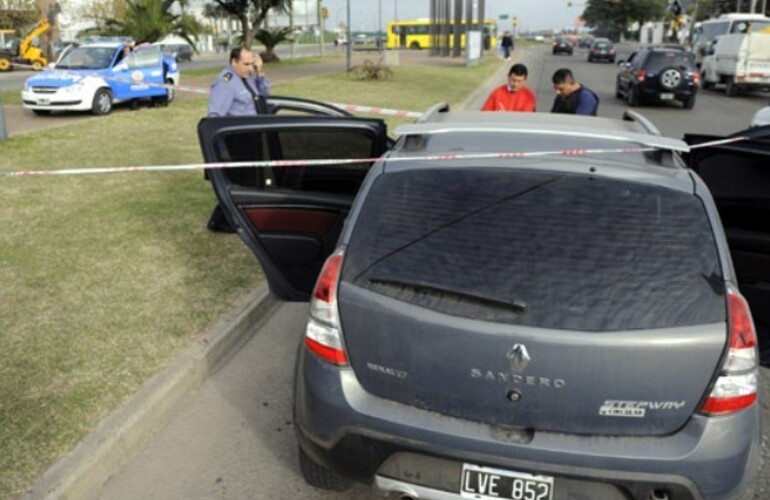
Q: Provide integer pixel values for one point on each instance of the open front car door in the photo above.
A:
(290, 216)
(738, 176)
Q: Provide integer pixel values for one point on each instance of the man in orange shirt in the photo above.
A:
(514, 95)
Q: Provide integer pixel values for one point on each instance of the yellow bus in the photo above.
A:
(415, 34)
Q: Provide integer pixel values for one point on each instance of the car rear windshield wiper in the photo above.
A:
(516, 306)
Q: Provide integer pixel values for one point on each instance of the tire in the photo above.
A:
(632, 98)
(5, 64)
(590, 59)
(612, 60)
(414, 46)
(731, 90)
(689, 103)
(707, 84)
(318, 476)
(102, 104)
(671, 78)
(170, 92)
(618, 93)
(41, 112)
(37, 65)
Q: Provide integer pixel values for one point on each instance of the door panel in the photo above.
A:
(738, 176)
(290, 216)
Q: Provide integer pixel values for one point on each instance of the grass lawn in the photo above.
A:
(106, 277)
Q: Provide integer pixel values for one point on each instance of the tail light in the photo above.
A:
(736, 387)
(323, 335)
(641, 75)
(593, 50)
(696, 77)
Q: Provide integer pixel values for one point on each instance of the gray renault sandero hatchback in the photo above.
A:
(520, 306)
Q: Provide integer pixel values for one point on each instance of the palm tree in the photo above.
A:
(252, 14)
(151, 20)
(270, 38)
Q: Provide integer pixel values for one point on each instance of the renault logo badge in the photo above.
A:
(518, 358)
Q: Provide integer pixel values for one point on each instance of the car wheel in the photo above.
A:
(612, 60)
(618, 92)
(42, 112)
(632, 98)
(170, 91)
(671, 78)
(689, 103)
(318, 476)
(731, 90)
(590, 59)
(414, 46)
(102, 104)
(707, 84)
(37, 65)
(5, 64)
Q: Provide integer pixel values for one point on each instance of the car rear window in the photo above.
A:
(660, 60)
(539, 249)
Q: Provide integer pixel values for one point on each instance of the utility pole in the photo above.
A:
(319, 16)
(293, 34)
(349, 47)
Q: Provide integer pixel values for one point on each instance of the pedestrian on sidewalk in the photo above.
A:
(572, 97)
(507, 44)
(238, 90)
(514, 95)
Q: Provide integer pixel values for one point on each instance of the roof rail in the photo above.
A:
(441, 107)
(633, 116)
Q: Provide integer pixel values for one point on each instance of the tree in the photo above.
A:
(252, 14)
(270, 38)
(151, 20)
(615, 16)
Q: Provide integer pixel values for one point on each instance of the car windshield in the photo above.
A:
(677, 59)
(87, 58)
(603, 45)
(556, 250)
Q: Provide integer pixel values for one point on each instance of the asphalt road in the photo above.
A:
(233, 438)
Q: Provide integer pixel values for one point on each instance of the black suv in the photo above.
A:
(493, 318)
(562, 45)
(660, 73)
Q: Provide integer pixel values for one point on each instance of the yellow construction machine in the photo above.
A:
(24, 51)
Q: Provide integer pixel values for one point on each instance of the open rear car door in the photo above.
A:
(738, 176)
(290, 216)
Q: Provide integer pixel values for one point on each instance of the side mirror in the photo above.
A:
(51, 65)
(120, 67)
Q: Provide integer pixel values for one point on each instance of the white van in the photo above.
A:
(707, 31)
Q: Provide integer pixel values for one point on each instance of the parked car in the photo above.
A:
(658, 73)
(601, 50)
(484, 325)
(561, 45)
(93, 77)
(179, 51)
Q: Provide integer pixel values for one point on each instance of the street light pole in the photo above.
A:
(349, 51)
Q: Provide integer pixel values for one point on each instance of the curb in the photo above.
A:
(88, 466)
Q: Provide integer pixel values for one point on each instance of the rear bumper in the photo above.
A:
(677, 95)
(399, 447)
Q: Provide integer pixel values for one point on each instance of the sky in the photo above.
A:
(532, 14)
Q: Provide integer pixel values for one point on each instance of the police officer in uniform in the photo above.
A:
(236, 90)
(239, 90)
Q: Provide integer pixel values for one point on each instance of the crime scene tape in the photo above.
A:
(373, 110)
(344, 161)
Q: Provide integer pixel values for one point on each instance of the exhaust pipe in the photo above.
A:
(659, 494)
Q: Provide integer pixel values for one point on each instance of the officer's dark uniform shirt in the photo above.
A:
(230, 97)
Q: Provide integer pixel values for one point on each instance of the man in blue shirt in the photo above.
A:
(236, 91)
(572, 97)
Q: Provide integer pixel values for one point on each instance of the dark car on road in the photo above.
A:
(180, 51)
(660, 74)
(521, 306)
(601, 50)
(561, 45)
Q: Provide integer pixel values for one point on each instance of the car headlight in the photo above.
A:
(74, 88)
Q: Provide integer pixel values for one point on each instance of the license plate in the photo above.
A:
(43, 100)
(485, 483)
(666, 97)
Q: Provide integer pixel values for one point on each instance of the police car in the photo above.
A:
(96, 76)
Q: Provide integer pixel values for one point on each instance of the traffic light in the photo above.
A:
(324, 12)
